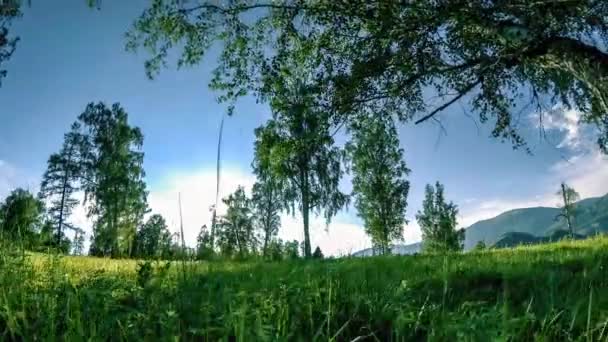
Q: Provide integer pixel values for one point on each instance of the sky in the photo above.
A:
(70, 55)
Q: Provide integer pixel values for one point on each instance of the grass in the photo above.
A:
(555, 292)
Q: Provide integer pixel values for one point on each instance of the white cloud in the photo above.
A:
(565, 121)
(412, 232)
(197, 190)
(574, 136)
(587, 173)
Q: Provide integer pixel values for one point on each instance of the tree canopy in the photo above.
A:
(21, 216)
(235, 229)
(266, 205)
(112, 178)
(379, 183)
(61, 180)
(153, 239)
(437, 220)
(499, 57)
(204, 248)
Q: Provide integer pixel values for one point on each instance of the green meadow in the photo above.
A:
(553, 292)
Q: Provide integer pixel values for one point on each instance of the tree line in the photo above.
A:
(297, 165)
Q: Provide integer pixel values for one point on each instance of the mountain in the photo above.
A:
(539, 222)
(532, 221)
(396, 249)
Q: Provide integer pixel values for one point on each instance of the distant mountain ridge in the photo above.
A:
(591, 218)
(526, 225)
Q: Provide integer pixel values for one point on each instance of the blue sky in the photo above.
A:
(69, 56)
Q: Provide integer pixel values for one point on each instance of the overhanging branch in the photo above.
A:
(461, 93)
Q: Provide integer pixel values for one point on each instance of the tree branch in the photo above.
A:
(236, 10)
(462, 93)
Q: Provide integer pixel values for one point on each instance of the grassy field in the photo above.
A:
(556, 292)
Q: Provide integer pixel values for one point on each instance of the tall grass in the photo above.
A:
(554, 292)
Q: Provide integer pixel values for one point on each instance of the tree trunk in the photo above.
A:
(113, 233)
(567, 212)
(305, 213)
(238, 239)
(61, 209)
(213, 223)
(268, 224)
(66, 178)
(266, 240)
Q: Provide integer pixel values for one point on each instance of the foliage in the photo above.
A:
(317, 254)
(266, 205)
(49, 241)
(61, 180)
(176, 251)
(153, 239)
(569, 196)
(379, 184)
(112, 178)
(552, 292)
(235, 230)
(275, 250)
(204, 247)
(480, 246)
(9, 10)
(437, 221)
(78, 242)
(21, 217)
(500, 57)
(290, 250)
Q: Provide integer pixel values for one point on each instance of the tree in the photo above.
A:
(152, 238)
(296, 147)
(385, 56)
(318, 254)
(290, 250)
(266, 203)
(438, 222)
(21, 215)
(568, 196)
(60, 181)
(480, 246)
(204, 248)
(379, 183)
(47, 239)
(235, 228)
(78, 242)
(112, 178)
(275, 250)
(9, 10)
